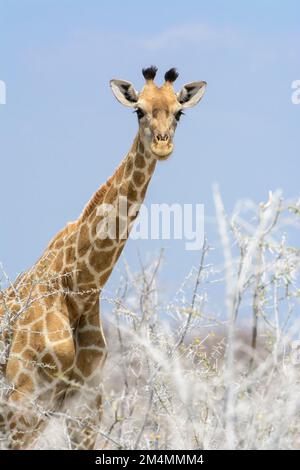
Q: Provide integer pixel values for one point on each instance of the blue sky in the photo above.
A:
(62, 133)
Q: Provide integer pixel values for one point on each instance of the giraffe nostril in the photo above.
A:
(162, 137)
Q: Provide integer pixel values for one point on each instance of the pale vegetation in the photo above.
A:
(219, 366)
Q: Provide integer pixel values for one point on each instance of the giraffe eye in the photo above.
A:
(178, 114)
(140, 113)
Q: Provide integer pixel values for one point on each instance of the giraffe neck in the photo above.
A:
(121, 196)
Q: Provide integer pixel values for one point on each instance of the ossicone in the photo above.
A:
(150, 72)
(171, 75)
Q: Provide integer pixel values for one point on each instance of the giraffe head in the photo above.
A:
(158, 108)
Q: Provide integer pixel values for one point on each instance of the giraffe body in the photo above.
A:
(53, 346)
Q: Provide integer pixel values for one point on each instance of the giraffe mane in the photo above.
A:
(94, 201)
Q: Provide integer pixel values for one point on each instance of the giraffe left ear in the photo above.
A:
(124, 92)
(191, 94)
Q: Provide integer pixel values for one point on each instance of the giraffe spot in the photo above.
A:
(58, 244)
(56, 328)
(87, 360)
(37, 336)
(20, 341)
(48, 301)
(69, 254)
(132, 193)
(38, 342)
(25, 381)
(138, 178)
(102, 260)
(140, 161)
(83, 274)
(105, 243)
(13, 367)
(141, 147)
(128, 168)
(83, 240)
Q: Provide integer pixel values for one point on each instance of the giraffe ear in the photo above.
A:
(191, 94)
(124, 92)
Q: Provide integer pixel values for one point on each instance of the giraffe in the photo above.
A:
(52, 345)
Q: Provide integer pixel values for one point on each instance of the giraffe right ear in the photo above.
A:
(124, 92)
(191, 94)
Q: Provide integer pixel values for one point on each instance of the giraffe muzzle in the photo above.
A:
(162, 146)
